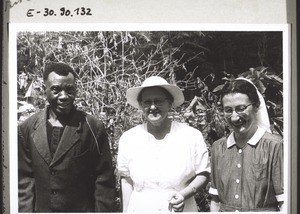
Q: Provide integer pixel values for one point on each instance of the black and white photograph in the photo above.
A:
(149, 118)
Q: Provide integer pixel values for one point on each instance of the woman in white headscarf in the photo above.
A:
(161, 162)
(247, 166)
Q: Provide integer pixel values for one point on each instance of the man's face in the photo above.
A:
(60, 92)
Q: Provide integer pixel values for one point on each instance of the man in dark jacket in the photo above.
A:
(64, 161)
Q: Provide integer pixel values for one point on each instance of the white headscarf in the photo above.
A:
(262, 115)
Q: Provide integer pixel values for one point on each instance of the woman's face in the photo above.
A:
(155, 105)
(239, 113)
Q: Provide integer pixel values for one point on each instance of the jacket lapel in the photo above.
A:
(39, 136)
(70, 136)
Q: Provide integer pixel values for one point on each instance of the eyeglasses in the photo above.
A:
(238, 109)
(156, 102)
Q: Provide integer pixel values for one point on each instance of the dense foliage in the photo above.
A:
(108, 63)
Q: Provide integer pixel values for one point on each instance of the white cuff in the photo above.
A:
(213, 191)
(280, 197)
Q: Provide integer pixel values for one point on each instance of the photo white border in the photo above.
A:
(14, 28)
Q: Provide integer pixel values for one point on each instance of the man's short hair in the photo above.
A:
(59, 68)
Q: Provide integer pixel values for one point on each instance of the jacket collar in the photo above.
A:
(70, 136)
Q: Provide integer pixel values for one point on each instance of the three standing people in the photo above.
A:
(162, 163)
(64, 161)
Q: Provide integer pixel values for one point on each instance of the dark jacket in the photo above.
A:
(79, 177)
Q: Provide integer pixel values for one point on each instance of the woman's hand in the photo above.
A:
(176, 202)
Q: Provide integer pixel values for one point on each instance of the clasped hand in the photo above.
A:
(176, 202)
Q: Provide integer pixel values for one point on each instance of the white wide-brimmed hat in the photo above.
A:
(133, 93)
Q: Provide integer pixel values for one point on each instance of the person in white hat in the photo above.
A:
(246, 166)
(162, 163)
